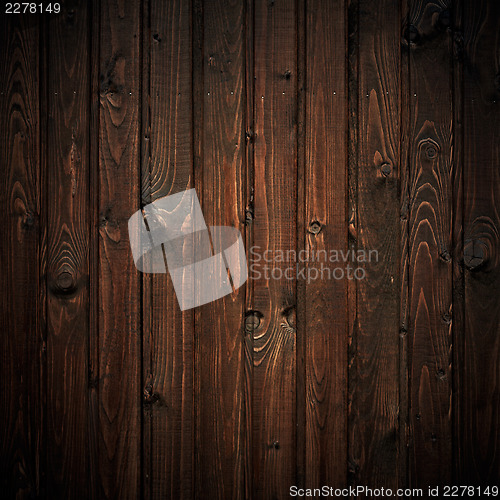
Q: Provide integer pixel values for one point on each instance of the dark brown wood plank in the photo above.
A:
(67, 207)
(274, 229)
(220, 183)
(326, 226)
(430, 242)
(22, 336)
(374, 364)
(119, 377)
(479, 405)
(167, 167)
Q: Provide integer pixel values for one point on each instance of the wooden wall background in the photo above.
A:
(306, 124)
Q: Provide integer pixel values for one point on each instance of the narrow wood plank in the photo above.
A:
(22, 337)
(275, 157)
(167, 168)
(326, 225)
(479, 405)
(249, 218)
(430, 242)
(67, 150)
(374, 363)
(119, 377)
(220, 182)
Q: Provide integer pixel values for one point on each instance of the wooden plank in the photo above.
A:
(458, 298)
(119, 377)
(249, 218)
(67, 164)
(22, 337)
(220, 182)
(274, 229)
(374, 363)
(326, 225)
(167, 168)
(479, 405)
(430, 243)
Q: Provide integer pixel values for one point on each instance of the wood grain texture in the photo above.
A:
(220, 179)
(274, 229)
(326, 228)
(118, 380)
(430, 241)
(167, 167)
(22, 338)
(479, 406)
(67, 174)
(307, 125)
(374, 364)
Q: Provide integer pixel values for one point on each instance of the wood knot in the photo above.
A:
(252, 321)
(28, 220)
(431, 151)
(445, 256)
(475, 254)
(289, 322)
(150, 397)
(444, 19)
(446, 318)
(314, 227)
(386, 169)
(64, 283)
(411, 35)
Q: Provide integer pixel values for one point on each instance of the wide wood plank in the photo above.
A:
(220, 183)
(479, 378)
(430, 242)
(22, 337)
(326, 231)
(374, 364)
(274, 229)
(67, 206)
(167, 167)
(119, 337)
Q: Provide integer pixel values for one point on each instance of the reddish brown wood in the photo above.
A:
(167, 167)
(374, 363)
(479, 394)
(119, 454)
(275, 157)
(429, 242)
(326, 230)
(67, 175)
(220, 181)
(22, 460)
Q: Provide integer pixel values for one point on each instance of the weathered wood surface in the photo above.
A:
(307, 125)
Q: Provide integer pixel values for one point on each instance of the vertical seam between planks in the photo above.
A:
(346, 218)
(300, 221)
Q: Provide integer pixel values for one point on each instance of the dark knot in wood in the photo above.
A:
(252, 321)
(386, 169)
(65, 283)
(475, 254)
(431, 151)
(411, 35)
(314, 227)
